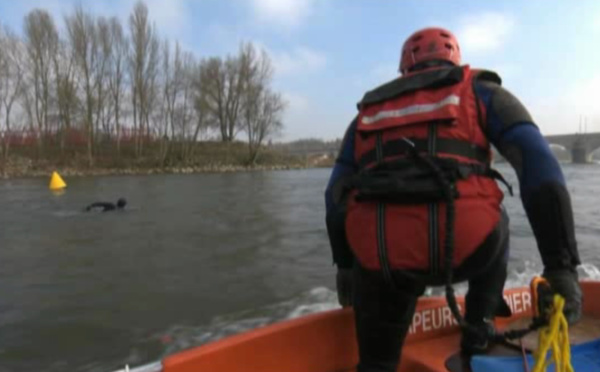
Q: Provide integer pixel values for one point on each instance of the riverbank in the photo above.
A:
(155, 158)
(72, 172)
(22, 167)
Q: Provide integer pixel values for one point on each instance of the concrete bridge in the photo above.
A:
(580, 145)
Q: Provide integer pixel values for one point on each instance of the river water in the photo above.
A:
(193, 258)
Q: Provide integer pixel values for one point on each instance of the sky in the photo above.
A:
(328, 53)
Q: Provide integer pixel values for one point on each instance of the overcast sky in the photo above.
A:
(327, 53)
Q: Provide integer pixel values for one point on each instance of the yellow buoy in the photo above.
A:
(56, 182)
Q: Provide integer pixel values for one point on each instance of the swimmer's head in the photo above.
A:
(121, 203)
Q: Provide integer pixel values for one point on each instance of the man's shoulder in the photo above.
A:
(431, 79)
(485, 76)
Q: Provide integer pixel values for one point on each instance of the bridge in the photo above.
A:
(580, 145)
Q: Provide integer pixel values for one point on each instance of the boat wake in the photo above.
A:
(316, 300)
(181, 337)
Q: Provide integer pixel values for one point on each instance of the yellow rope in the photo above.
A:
(555, 336)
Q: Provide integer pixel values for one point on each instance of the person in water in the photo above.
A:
(107, 206)
(387, 204)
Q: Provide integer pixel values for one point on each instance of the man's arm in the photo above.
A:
(543, 189)
(344, 168)
(104, 205)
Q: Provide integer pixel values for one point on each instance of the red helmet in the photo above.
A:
(429, 44)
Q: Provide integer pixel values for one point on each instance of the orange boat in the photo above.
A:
(325, 342)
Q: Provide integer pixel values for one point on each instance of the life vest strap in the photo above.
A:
(405, 181)
(449, 146)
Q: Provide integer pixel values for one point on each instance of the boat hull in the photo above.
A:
(325, 342)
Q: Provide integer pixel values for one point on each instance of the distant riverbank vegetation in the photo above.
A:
(99, 94)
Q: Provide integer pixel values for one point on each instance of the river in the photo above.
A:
(192, 259)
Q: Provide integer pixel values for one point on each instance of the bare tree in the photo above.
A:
(41, 39)
(103, 101)
(263, 120)
(200, 104)
(261, 108)
(175, 98)
(223, 87)
(96, 76)
(211, 82)
(152, 82)
(120, 46)
(143, 63)
(167, 106)
(67, 100)
(84, 46)
(234, 72)
(185, 112)
(235, 94)
(12, 59)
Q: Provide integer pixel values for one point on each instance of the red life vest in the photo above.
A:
(437, 111)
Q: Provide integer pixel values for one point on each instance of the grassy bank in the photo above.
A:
(202, 157)
(176, 158)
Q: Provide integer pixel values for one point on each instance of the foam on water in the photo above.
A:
(181, 337)
(313, 301)
(590, 272)
(323, 299)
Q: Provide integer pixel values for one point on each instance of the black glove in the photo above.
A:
(565, 283)
(344, 279)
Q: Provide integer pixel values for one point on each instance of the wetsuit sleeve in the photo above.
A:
(344, 168)
(104, 205)
(544, 194)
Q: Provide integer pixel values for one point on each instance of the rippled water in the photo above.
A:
(193, 259)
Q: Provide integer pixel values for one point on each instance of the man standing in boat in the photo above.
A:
(413, 194)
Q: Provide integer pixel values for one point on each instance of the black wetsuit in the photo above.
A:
(105, 206)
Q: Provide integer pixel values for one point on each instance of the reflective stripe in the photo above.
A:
(411, 110)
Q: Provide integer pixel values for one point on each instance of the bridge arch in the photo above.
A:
(579, 144)
(595, 154)
(561, 152)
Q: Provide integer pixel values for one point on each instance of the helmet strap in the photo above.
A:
(430, 64)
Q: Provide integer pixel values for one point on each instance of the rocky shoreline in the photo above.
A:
(76, 172)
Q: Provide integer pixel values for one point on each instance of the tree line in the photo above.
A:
(101, 83)
(311, 145)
